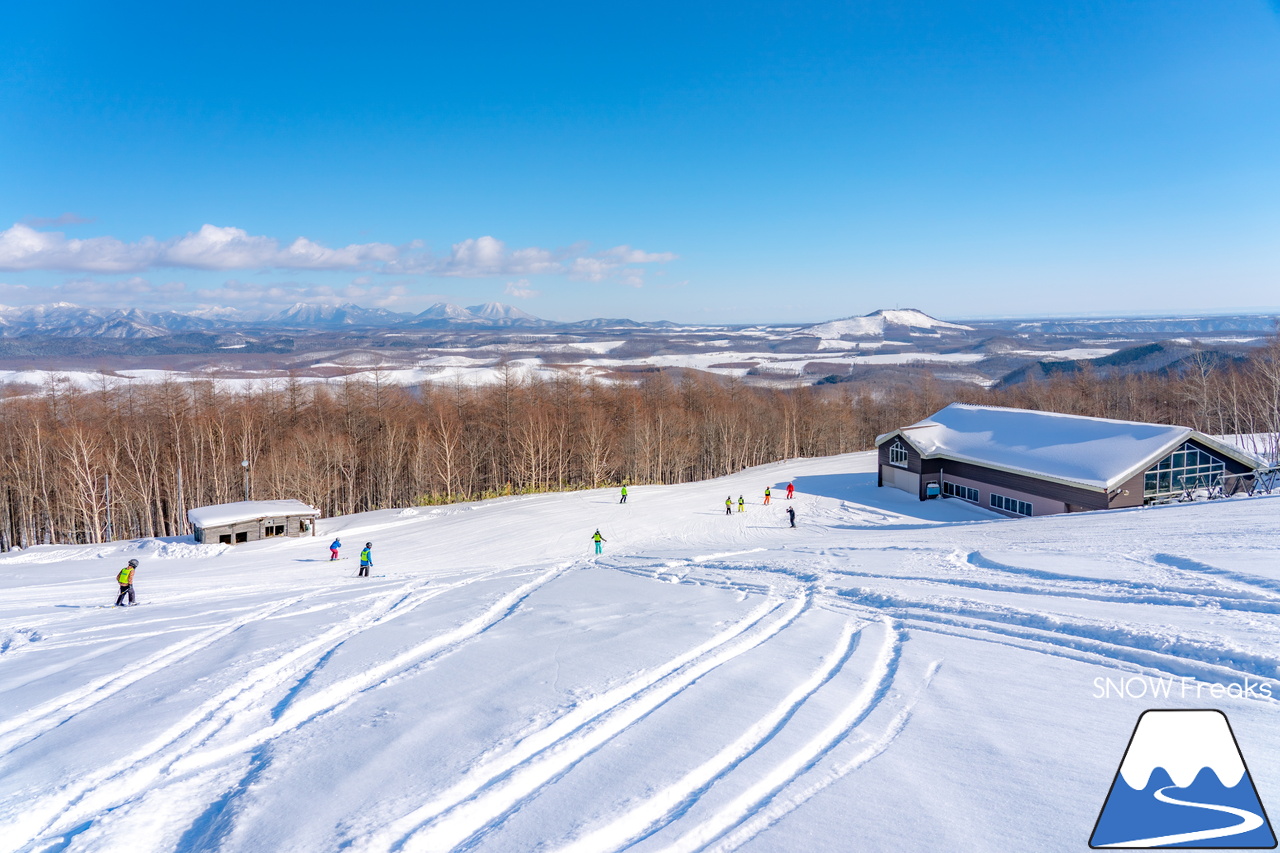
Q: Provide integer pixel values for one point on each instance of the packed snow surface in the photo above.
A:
(889, 675)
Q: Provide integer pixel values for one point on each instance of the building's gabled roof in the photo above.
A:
(220, 514)
(1096, 453)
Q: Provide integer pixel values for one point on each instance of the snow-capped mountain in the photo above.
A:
(874, 325)
(1183, 743)
(302, 313)
(63, 319)
(445, 311)
(498, 311)
(490, 314)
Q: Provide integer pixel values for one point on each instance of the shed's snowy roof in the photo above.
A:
(1092, 452)
(218, 514)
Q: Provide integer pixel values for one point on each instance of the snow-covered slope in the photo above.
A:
(908, 321)
(889, 675)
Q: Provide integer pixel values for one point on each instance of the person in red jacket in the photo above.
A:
(791, 490)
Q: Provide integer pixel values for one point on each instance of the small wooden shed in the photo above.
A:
(249, 521)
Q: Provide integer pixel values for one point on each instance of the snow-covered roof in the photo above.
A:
(1093, 452)
(219, 514)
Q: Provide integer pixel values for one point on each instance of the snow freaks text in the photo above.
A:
(1185, 687)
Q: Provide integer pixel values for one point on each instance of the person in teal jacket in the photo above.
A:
(366, 559)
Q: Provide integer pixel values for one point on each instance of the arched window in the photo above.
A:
(1186, 469)
(898, 453)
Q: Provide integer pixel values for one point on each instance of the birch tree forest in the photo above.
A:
(127, 459)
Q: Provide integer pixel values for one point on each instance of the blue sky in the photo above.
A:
(732, 162)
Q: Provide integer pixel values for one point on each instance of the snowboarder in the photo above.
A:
(598, 539)
(624, 494)
(125, 579)
(791, 490)
(767, 493)
(728, 505)
(366, 560)
(742, 504)
(333, 548)
(791, 511)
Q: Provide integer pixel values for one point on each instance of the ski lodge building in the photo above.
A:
(1020, 462)
(249, 521)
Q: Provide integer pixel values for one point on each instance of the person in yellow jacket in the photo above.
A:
(125, 579)
(597, 538)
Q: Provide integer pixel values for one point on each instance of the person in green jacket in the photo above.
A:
(742, 504)
(598, 539)
(728, 505)
(366, 560)
(125, 579)
(624, 494)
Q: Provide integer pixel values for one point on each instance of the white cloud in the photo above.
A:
(520, 289)
(214, 247)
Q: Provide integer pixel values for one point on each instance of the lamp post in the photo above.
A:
(245, 466)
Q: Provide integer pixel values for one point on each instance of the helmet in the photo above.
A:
(133, 563)
(368, 544)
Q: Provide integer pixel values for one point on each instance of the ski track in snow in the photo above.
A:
(187, 747)
(862, 580)
(659, 810)
(461, 815)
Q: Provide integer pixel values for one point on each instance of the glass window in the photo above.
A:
(955, 490)
(898, 454)
(1010, 505)
(1185, 469)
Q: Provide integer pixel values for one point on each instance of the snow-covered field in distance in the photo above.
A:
(890, 675)
(886, 347)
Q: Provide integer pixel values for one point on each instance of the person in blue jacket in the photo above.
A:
(366, 559)
(333, 548)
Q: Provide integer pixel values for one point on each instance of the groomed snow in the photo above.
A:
(890, 675)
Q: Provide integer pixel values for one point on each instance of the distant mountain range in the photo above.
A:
(66, 320)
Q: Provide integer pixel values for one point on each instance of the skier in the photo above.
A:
(598, 539)
(791, 511)
(791, 490)
(333, 548)
(767, 493)
(125, 579)
(742, 504)
(728, 505)
(366, 560)
(624, 494)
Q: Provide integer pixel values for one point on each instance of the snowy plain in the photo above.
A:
(890, 675)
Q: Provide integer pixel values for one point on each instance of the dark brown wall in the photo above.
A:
(1078, 497)
(1136, 485)
(913, 456)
